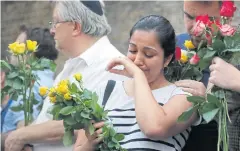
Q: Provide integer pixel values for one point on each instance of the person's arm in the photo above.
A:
(155, 121)
(47, 132)
(159, 122)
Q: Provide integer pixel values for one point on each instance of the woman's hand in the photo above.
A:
(94, 139)
(87, 142)
(130, 69)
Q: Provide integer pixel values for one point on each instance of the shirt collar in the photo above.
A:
(93, 53)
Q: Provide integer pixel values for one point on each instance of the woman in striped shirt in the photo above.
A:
(145, 108)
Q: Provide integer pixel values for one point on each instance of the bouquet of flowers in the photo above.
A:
(20, 77)
(222, 40)
(78, 107)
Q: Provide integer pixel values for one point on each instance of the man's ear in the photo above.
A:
(77, 29)
(168, 60)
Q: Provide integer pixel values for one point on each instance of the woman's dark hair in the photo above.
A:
(163, 29)
(46, 43)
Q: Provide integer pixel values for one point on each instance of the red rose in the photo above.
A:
(204, 19)
(199, 28)
(227, 30)
(178, 53)
(228, 8)
(194, 60)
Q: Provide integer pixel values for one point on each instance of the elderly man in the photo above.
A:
(79, 29)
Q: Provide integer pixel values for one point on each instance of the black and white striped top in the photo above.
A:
(122, 114)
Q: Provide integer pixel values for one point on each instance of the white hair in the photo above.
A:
(92, 23)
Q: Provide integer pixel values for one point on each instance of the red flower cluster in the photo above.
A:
(204, 23)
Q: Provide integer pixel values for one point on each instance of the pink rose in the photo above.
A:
(194, 60)
(227, 30)
(199, 28)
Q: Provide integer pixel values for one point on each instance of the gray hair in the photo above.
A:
(92, 23)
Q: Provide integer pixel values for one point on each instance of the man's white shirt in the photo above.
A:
(91, 64)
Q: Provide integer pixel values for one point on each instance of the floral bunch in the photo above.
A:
(20, 77)
(219, 38)
(78, 107)
(185, 64)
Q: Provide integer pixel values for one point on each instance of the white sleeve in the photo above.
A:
(100, 89)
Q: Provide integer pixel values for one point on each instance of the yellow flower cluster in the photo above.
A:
(62, 90)
(17, 48)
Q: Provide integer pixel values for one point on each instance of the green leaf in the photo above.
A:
(186, 115)
(213, 99)
(231, 50)
(14, 96)
(209, 116)
(202, 52)
(5, 65)
(209, 54)
(12, 75)
(218, 45)
(74, 88)
(195, 99)
(207, 106)
(67, 110)
(203, 64)
(111, 144)
(85, 115)
(69, 120)
(68, 138)
(18, 84)
(91, 129)
(119, 137)
(17, 108)
(95, 97)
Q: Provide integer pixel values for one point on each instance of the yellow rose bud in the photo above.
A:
(188, 44)
(31, 45)
(78, 76)
(53, 99)
(43, 91)
(64, 82)
(184, 57)
(20, 48)
(52, 92)
(67, 96)
(62, 89)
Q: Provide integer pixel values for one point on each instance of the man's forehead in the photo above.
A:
(200, 8)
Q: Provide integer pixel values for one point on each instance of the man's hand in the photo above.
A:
(194, 87)
(14, 142)
(224, 75)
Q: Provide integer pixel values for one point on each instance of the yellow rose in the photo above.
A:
(20, 49)
(52, 92)
(67, 96)
(31, 45)
(62, 89)
(78, 76)
(43, 91)
(184, 57)
(53, 99)
(188, 44)
(13, 46)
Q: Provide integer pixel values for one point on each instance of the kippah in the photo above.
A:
(94, 6)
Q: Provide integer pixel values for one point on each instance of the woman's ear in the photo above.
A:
(77, 29)
(167, 60)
